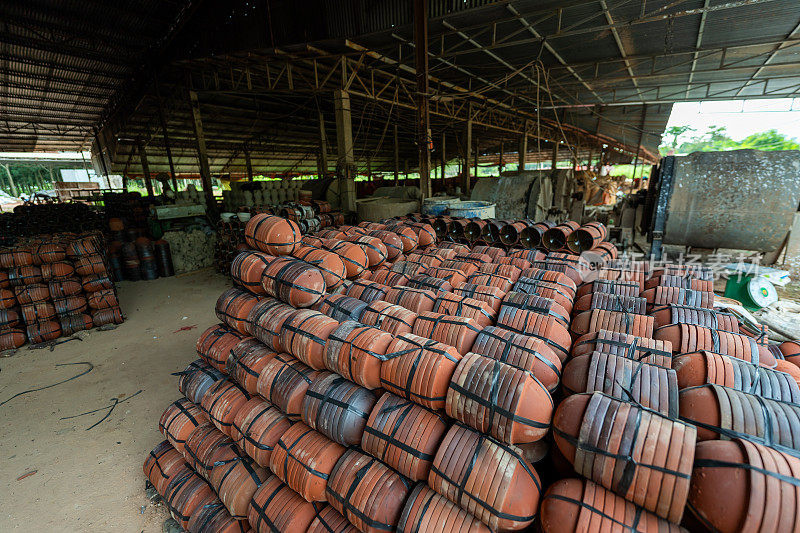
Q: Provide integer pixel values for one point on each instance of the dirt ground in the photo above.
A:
(91, 479)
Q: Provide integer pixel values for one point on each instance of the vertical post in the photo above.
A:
(476, 158)
(554, 160)
(11, 183)
(248, 162)
(523, 149)
(467, 153)
(500, 159)
(167, 147)
(405, 162)
(641, 136)
(444, 156)
(322, 169)
(202, 155)
(145, 169)
(423, 115)
(345, 166)
(369, 169)
(103, 157)
(396, 157)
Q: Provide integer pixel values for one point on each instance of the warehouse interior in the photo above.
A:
(225, 193)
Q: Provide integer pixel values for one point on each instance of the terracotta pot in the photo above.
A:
(247, 270)
(9, 318)
(162, 464)
(679, 282)
(185, 493)
(276, 507)
(233, 307)
(788, 368)
(92, 283)
(205, 446)
(304, 335)
(221, 402)
(610, 302)
(283, 382)
(606, 251)
(213, 517)
(246, 361)
(518, 262)
(521, 351)
(393, 243)
(622, 322)
(544, 327)
(661, 296)
(407, 236)
(375, 249)
(337, 408)
(266, 320)
(617, 287)
(356, 352)
(295, 282)
(587, 237)
(384, 276)
(403, 435)
(492, 296)
(700, 316)
(353, 230)
(687, 338)
(82, 247)
(391, 318)
(656, 352)
(419, 369)
(257, 427)
(328, 263)
(702, 368)
(528, 255)
(235, 479)
(537, 304)
(425, 232)
(508, 271)
(371, 225)
(196, 379)
(467, 268)
(790, 351)
(272, 234)
(112, 315)
(443, 249)
(639, 454)
(564, 282)
(484, 477)
(455, 305)
(424, 281)
(760, 487)
(627, 275)
(38, 311)
(651, 386)
(556, 237)
(179, 420)
(456, 229)
(413, 299)
(495, 398)
(42, 331)
(90, 265)
(72, 305)
(104, 299)
(353, 256)
(453, 276)
(304, 460)
(696, 271)
(215, 344)
(459, 332)
(426, 511)
(478, 257)
(56, 271)
(65, 288)
(367, 492)
(474, 229)
(367, 291)
(15, 258)
(24, 275)
(329, 520)
(504, 283)
(580, 505)
(72, 323)
(341, 307)
(408, 268)
(420, 262)
(35, 292)
(721, 412)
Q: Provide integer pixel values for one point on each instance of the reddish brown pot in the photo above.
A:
(390, 278)
(453, 276)
(104, 299)
(457, 248)
(413, 299)
(528, 322)
(367, 291)
(743, 486)
(408, 268)
(426, 511)
(213, 517)
(587, 237)
(329, 520)
(233, 307)
(266, 320)
(419, 369)
(341, 307)
(687, 338)
(283, 382)
(508, 271)
(196, 379)
(651, 351)
(628, 275)
(559, 279)
(329, 263)
(638, 454)
(353, 256)
(537, 304)
(222, 401)
(419, 262)
(304, 460)
(55, 271)
(367, 492)
(215, 344)
(246, 361)
(611, 302)
(528, 255)
(425, 233)
(304, 335)
(572, 505)
(625, 379)
(15, 258)
(83, 246)
(247, 270)
(185, 493)
(235, 480)
(720, 412)
(495, 398)
(292, 281)
(205, 446)
(493, 252)
(504, 283)
(112, 315)
(179, 420)
(455, 305)
(700, 316)
(466, 267)
(356, 352)
(680, 282)
(556, 237)
(9, 318)
(489, 479)
(618, 287)
(598, 319)
(276, 507)
(162, 464)
(492, 296)
(393, 243)
(376, 250)
(520, 262)
(430, 283)
(70, 305)
(407, 235)
(43, 330)
(271, 234)
(459, 332)
(257, 427)
(661, 296)
(403, 435)
(337, 408)
(94, 283)
(788, 368)
(64, 288)
(478, 258)
(90, 265)
(7, 299)
(33, 293)
(394, 319)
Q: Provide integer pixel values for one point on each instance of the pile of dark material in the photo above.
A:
(33, 219)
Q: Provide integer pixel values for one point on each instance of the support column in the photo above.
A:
(396, 157)
(444, 156)
(523, 149)
(202, 155)
(423, 115)
(11, 183)
(103, 158)
(167, 147)
(322, 167)
(554, 160)
(145, 169)
(476, 158)
(345, 165)
(500, 159)
(467, 154)
(248, 162)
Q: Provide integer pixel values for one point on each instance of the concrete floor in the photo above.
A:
(92, 480)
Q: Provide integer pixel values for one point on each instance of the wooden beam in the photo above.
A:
(423, 115)
(148, 183)
(345, 166)
(322, 167)
(396, 157)
(202, 155)
(523, 149)
(248, 162)
(467, 156)
(167, 146)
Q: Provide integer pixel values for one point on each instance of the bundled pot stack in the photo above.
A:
(132, 256)
(371, 378)
(54, 286)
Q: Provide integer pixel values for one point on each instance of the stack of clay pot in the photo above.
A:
(53, 286)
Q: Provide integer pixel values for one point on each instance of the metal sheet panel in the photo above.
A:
(528, 195)
(743, 199)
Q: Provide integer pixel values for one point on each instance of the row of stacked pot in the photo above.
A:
(54, 286)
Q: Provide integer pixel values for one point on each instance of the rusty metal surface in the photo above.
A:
(526, 195)
(743, 199)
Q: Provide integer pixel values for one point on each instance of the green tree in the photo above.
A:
(769, 140)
